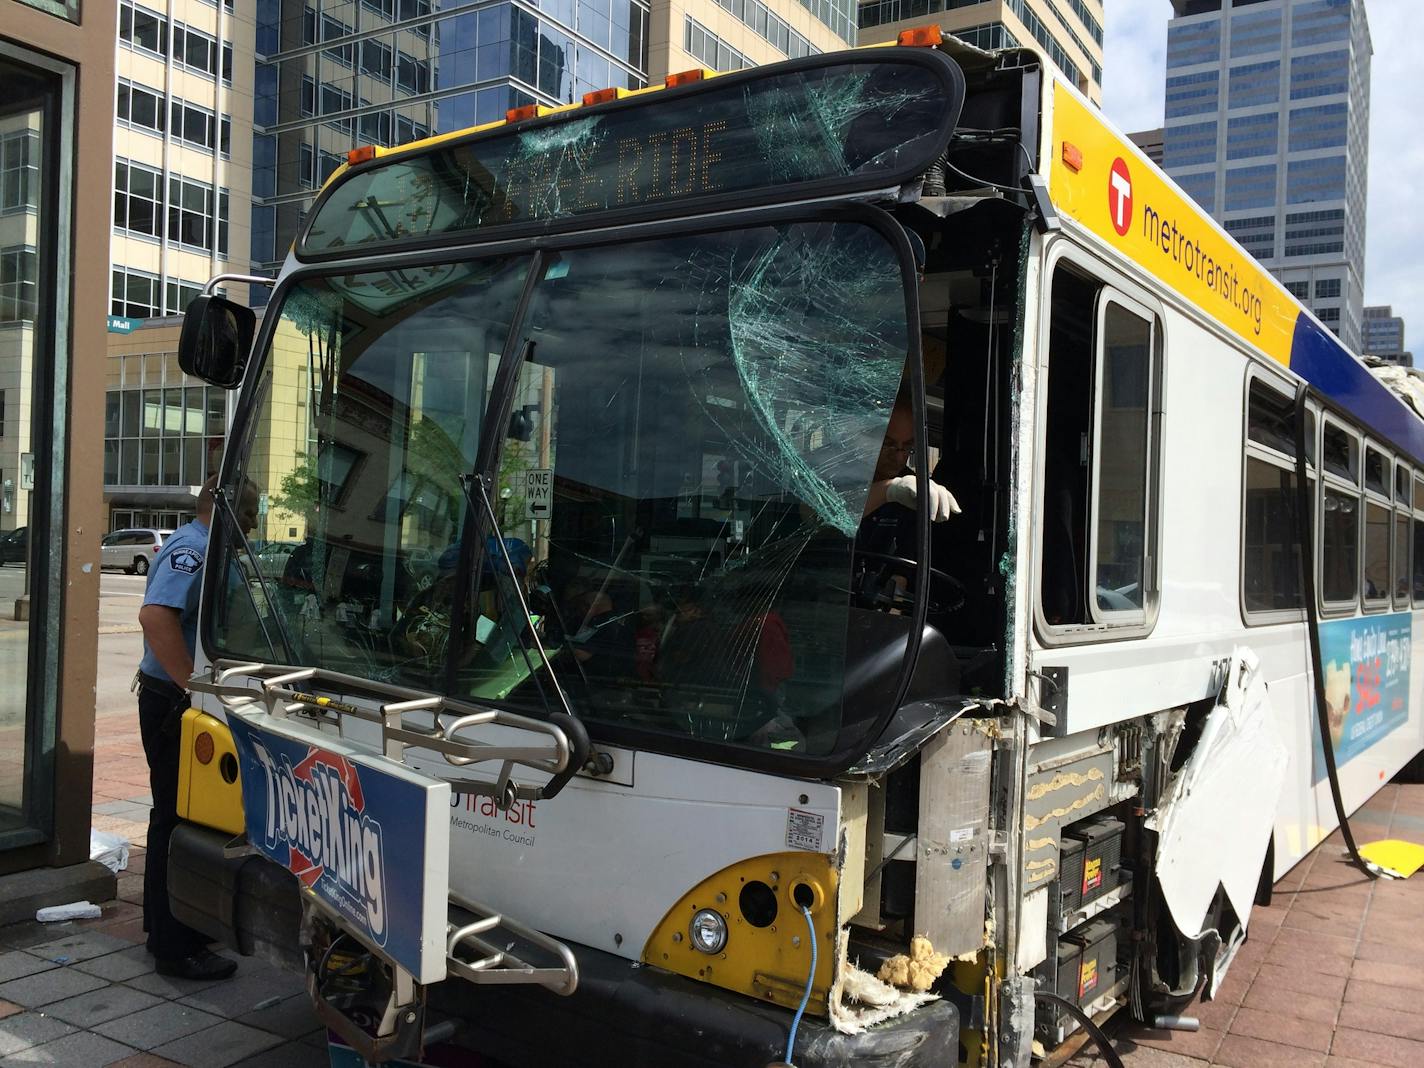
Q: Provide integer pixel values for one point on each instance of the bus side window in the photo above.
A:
(1100, 457)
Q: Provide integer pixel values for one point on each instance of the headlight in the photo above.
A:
(708, 931)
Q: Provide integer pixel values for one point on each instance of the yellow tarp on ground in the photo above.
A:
(1402, 858)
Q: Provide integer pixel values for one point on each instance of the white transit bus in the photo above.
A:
(587, 697)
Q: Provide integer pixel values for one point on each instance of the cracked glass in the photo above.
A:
(866, 121)
(692, 442)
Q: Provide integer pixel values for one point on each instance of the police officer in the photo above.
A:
(169, 618)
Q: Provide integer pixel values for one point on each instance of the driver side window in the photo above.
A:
(1101, 445)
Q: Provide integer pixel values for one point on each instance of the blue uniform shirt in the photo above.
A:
(174, 581)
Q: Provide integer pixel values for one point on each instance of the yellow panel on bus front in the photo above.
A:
(1102, 181)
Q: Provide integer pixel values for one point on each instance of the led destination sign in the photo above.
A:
(855, 123)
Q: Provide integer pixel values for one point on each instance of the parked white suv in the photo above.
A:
(132, 549)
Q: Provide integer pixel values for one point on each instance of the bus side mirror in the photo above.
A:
(216, 341)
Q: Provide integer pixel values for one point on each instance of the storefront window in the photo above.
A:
(30, 116)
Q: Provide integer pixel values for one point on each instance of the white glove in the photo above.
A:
(901, 491)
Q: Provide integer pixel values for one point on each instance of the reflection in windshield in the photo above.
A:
(682, 472)
(370, 408)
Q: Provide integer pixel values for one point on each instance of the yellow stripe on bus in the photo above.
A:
(1119, 196)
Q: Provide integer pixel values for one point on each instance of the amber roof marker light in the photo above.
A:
(921, 37)
(363, 154)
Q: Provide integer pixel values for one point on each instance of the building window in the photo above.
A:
(1299, 290)
(1251, 135)
(143, 29)
(1200, 187)
(161, 428)
(191, 49)
(1193, 94)
(190, 214)
(140, 108)
(136, 204)
(709, 49)
(1315, 179)
(1326, 126)
(1256, 33)
(1183, 146)
(1254, 83)
(1326, 288)
(135, 294)
(1320, 74)
(1193, 42)
(19, 285)
(771, 27)
(1319, 22)
(19, 171)
(1251, 187)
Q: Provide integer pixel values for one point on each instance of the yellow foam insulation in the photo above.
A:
(917, 971)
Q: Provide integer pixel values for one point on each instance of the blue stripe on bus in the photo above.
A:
(1327, 365)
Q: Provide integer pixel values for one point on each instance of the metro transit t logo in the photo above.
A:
(1120, 197)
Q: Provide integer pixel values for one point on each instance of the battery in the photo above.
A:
(1102, 856)
(1097, 964)
(1070, 873)
(1070, 959)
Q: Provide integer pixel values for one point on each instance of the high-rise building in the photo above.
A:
(334, 74)
(182, 197)
(1150, 141)
(1070, 32)
(1267, 127)
(1384, 335)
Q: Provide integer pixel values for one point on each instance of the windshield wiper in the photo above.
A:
(488, 508)
(223, 507)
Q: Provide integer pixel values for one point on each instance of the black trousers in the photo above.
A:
(160, 721)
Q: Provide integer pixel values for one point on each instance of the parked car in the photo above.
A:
(14, 546)
(132, 549)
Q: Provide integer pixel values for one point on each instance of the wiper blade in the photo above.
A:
(488, 508)
(223, 507)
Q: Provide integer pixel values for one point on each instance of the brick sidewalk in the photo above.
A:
(84, 994)
(1333, 973)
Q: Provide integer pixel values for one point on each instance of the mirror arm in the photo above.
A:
(250, 279)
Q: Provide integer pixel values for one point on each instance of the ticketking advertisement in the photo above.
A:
(367, 837)
(1366, 667)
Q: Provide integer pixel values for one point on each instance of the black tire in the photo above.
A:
(140, 565)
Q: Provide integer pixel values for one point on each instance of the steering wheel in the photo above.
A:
(905, 598)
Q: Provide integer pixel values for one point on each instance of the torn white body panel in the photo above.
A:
(1215, 819)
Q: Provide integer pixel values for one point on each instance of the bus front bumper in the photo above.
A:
(622, 1014)
(631, 1015)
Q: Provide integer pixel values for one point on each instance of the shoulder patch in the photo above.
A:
(186, 560)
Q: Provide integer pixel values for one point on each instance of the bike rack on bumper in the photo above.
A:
(314, 799)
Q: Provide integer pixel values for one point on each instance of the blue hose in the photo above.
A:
(806, 997)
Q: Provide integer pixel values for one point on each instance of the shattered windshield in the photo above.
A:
(694, 434)
(871, 120)
(681, 479)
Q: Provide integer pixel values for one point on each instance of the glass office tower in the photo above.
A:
(1267, 127)
(333, 74)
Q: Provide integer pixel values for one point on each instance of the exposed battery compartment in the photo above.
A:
(1088, 920)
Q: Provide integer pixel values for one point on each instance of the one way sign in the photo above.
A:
(539, 492)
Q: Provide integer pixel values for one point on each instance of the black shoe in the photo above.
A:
(202, 965)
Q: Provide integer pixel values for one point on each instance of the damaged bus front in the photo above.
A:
(648, 484)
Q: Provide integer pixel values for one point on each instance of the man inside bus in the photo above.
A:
(887, 527)
(169, 619)
(893, 490)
